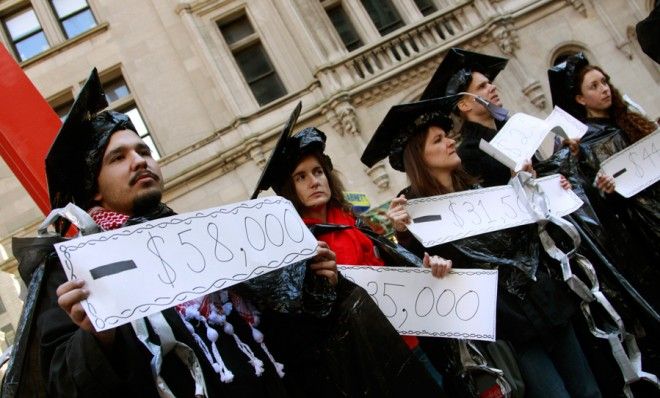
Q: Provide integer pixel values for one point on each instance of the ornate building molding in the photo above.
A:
(579, 6)
(340, 113)
(505, 35)
(620, 40)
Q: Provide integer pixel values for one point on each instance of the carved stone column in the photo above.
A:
(621, 41)
(506, 37)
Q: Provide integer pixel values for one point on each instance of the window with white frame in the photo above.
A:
(24, 31)
(342, 23)
(32, 29)
(121, 99)
(74, 16)
(384, 15)
(252, 59)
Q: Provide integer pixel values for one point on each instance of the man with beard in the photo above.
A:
(333, 338)
(99, 163)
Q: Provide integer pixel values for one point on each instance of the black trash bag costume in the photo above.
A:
(638, 315)
(453, 76)
(361, 353)
(73, 364)
(631, 224)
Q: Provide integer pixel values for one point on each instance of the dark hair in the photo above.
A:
(635, 126)
(422, 183)
(337, 199)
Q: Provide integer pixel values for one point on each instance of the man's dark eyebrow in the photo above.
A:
(113, 152)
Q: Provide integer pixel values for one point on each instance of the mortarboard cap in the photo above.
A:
(74, 158)
(285, 158)
(454, 73)
(272, 171)
(403, 121)
(563, 80)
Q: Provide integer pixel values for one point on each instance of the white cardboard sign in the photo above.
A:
(636, 167)
(458, 215)
(461, 305)
(136, 271)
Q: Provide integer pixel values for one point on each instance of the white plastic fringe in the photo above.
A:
(226, 375)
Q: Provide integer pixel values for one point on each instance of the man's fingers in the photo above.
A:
(68, 286)
(77, 314)
(67, 300)
(324, 253)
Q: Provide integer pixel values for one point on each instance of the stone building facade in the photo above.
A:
(213, 81)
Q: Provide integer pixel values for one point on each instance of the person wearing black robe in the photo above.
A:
(473, 73)
(312, 320)
(534, 306)
(625, 231)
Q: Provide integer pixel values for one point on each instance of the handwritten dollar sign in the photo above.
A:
(170, 274)
(638, 169)
(459, 221)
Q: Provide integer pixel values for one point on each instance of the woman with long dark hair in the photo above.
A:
(300, 171)
(633, 224)
(532, 315)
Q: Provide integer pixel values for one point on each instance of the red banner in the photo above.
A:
(28, 126)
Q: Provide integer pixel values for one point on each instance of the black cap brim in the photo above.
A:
(271, 171)
(392, 133)
(454, 62)
(65, 167)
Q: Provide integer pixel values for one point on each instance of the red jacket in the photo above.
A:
(351, 246)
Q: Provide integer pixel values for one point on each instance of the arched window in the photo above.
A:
(564, 51)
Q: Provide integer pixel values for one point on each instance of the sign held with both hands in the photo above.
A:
(445, 218)
(637, 167)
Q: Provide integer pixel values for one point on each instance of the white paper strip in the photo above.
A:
(523, 134)
(570, 126)
(636, 167)
(445, 218)
(136, 271)
(460, 305)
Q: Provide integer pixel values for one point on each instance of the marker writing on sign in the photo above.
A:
(618, 173)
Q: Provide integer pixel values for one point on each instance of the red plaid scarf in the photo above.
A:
(107, 219)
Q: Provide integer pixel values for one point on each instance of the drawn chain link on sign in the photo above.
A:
(461, 305)
(636, 167)
(139, 270)
(445, 218)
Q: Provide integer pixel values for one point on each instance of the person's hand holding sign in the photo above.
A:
(324, 264)
(398, 214)
(69, 297)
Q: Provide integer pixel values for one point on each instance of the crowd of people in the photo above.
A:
(325, 337)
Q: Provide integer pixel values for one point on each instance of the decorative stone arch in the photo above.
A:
(563, 50)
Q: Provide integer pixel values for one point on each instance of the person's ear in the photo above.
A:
(580, 99)
(98, 197)
(464, 105)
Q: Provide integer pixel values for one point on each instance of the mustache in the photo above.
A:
(141, 174)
